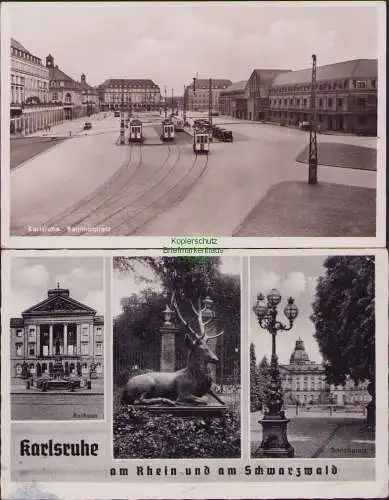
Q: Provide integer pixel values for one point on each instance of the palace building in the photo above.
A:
(57, 329)
(304, 381)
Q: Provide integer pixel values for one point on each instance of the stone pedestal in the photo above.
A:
(168, 348)
(275, 442)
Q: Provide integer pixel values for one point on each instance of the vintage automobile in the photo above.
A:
(87, 126)
(116, 114)
(304, 126)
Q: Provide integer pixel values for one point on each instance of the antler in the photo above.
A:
(181, 318)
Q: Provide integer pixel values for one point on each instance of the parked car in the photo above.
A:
(227, 136)
(304, 125)
(116, 114)
(87, 126)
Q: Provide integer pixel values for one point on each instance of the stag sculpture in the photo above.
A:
(185, 386)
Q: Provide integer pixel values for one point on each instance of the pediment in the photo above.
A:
(59, 305)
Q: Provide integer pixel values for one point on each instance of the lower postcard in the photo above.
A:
(255, 374)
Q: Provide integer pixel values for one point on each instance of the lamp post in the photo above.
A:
(172, 101)
(274, 423)
(122, 140)
(165, 102)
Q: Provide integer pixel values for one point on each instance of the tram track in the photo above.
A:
(139, 192)
(99, 197)
(167, 199)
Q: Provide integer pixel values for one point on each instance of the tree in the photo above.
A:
(344, 318)
(137, 328)
(263, 379)
(255, 400)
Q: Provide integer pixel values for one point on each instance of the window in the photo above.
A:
(99, 368)
(305, 103)
(320, 103)
(19, 332)
(329, 102)
(340, 103)
(31, 349)
(359, 84)
(84, 367)
(99, 348)
(55, 96)
(62, 84)
(84, 347)
(18, 369)
(361, 102)
(19, 349)
(373, 84)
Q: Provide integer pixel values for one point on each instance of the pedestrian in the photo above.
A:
(70, 133)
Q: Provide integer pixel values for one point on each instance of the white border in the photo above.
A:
(238, 489)
(224, 242)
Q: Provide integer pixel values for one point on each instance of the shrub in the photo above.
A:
(140, 434)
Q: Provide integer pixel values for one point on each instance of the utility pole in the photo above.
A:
(165, 103)
(172, 101)
(210, 101)
(184, 106)
(122, 141)
(312, 173)
(194, 93)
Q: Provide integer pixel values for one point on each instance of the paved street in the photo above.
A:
(319, 435)
(89, 185)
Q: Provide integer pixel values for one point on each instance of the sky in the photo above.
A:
(294, 276)
(125, 284)
(32, 277)
(172, 43)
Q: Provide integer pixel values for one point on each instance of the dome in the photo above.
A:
(299, 356)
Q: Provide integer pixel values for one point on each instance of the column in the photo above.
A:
(78, 339)
(50, 340)
(38, 340)
(168, 347)
(65, 339)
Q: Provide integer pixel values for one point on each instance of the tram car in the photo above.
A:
(201, 141)
(136, 133)
(167, 130)
(178, 123)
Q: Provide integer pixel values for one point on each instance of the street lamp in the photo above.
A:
(274, 423)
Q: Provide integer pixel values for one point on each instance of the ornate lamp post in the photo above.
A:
(274, 423)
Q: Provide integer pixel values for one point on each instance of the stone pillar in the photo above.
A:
(65, 339)
(78, 340)
(168, 345)
(38, 340)
(50, 340)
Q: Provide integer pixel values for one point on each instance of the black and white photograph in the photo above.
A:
(312, 357)
(57, 338)
(234, 119)
(176, 357)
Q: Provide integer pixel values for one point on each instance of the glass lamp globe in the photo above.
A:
(291, 311)
(260, 308)
(274, 297)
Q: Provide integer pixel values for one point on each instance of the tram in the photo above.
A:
(201, 141)
(136, 133)
(167, 130)
(178, 123)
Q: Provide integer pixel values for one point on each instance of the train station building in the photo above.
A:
(346, 97)
(57, 329)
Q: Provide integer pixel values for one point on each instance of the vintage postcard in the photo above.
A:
(219, 125)
(257, 374)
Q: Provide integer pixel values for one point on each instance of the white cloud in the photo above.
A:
(268, 280)
(36, 276)
(294, 284)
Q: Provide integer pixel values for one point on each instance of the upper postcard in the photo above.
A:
(193, 126)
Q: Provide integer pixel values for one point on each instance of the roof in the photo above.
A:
(357, 68)
(217, 83)
(58, 302)
(17, 45)
(59, 75)
(236, 87)
(128, 82)
(269, 74)
(17, 322)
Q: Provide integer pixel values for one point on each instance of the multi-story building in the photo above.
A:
(257, 92)
(30, 105)
(233, 101)
(65, 91)
(346, 96)
(57, 329)
(89, 97)
(197, 97)
(304, 381)
(132, 94)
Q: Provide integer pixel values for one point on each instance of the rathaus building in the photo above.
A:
(59, 328)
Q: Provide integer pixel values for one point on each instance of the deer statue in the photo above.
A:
(185, 386)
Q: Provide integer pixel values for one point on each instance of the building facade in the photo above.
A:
(58, 328)
(30, 106)
(304, 381)
(233, 100)
(132, 94)
(346, 97)
(197, 96)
